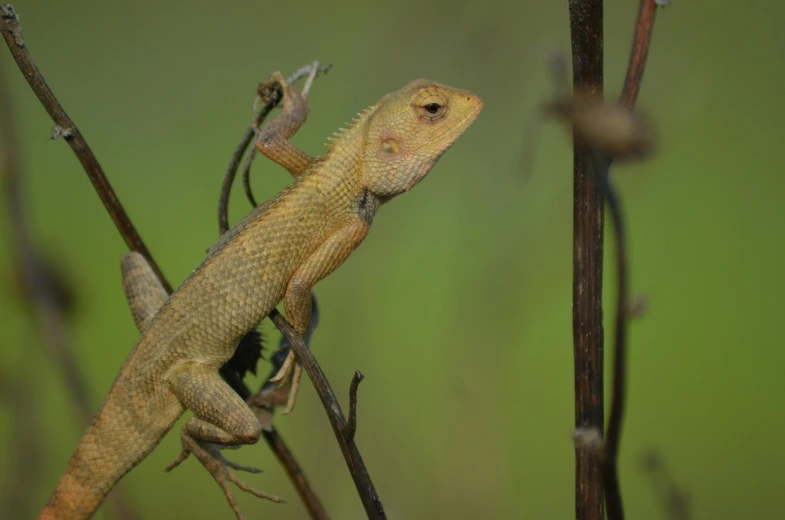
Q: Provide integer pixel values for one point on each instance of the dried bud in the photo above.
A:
(267, 92)
(612, 129)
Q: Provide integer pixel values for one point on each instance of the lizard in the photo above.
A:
(275, 254)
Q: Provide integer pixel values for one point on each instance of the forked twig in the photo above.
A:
(275, 97)
(362, 480)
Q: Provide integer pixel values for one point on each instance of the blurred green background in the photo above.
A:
(457, 308)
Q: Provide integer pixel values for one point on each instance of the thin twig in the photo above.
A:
(362, 480)
(586, 32)
(12, 32)
(640, 47)
(234, 163)
(45, 307)
(610, 453)
(276, 96)
(247, 177)
(351, 428)
(640, 51)
(284, 455)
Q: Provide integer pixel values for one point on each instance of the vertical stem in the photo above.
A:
(586, 33)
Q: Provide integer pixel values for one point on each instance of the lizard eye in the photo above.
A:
(430, 103)
(433, 111)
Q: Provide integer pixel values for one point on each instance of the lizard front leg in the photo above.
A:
(297, 299)
(273, 140)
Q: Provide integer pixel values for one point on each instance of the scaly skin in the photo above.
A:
(277, 253)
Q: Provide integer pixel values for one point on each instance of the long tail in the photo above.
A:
(119, 438)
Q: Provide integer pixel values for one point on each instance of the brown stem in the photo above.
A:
(12, 33)
(362, 480)
(586, 32)
(47, 311)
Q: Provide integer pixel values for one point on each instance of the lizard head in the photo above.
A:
(408, 132)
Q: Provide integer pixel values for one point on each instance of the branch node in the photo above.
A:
(351, 427)
(58, 132)
(589, 439)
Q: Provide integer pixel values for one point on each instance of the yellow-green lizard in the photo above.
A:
(277, 253)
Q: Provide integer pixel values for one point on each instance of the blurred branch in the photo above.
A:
(640, 51)
(362, 480)
(45, 305)
(586, 33)
(65, 127)
(675, 501)
(26, 447)
(632, 83)
(610, 453)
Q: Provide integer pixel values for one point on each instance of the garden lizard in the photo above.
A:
(276, 253)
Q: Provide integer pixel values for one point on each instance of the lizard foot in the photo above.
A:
(289, 369)
(209, 454)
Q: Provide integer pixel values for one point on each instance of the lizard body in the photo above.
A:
(276, 253)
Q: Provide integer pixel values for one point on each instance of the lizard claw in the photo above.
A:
(209, 454)
(285, 370)
(290, 373)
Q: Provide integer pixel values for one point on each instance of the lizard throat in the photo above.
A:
(367, 205)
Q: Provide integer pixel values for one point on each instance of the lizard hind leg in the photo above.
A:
(222, 420)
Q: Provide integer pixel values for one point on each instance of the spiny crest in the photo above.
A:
(350, 127)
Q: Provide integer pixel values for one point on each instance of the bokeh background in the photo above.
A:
(458, 306)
